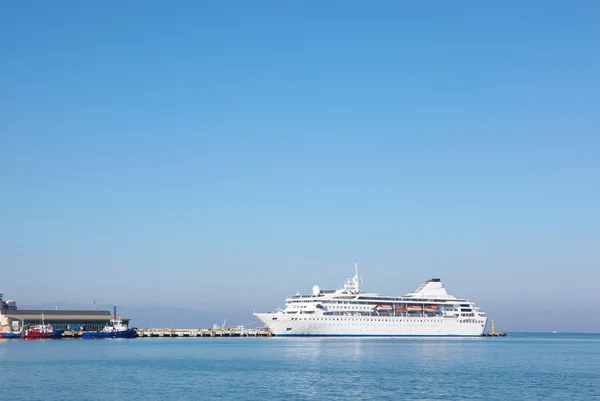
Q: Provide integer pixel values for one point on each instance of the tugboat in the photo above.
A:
(114, 329)
(42, 331)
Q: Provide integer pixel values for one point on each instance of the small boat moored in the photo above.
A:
(113, 329)
(42, 331)
(10, 335)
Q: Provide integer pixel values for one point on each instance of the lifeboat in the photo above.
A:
(400, 308)
(383, 308)
(431, 308)
(414, 308)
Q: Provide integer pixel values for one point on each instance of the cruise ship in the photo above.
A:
(428, 311)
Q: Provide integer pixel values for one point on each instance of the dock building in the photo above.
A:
(13, 318)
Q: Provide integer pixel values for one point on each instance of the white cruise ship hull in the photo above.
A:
(349, 311)
(283, 324)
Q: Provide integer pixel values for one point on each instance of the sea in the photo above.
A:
(521, 366)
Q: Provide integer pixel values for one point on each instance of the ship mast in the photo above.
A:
(353, 285)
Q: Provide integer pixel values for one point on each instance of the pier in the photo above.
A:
(215, 332)
(496, 334)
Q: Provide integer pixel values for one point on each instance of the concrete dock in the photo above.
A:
(226, 332)
(157, 332)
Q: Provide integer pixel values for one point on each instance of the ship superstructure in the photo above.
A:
(428, 311)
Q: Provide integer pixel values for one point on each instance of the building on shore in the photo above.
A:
(12, 318)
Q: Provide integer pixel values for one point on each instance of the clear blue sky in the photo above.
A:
(223, 155)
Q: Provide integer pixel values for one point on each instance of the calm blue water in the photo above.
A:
(518, 367)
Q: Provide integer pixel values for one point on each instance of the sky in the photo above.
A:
(220, 156)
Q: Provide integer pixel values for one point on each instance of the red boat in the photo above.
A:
(42, 331)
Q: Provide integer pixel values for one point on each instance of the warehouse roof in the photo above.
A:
(29, 314)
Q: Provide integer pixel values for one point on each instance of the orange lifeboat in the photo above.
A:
(400, 308)
(414, 308)
(383, 308)
(431, 308)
